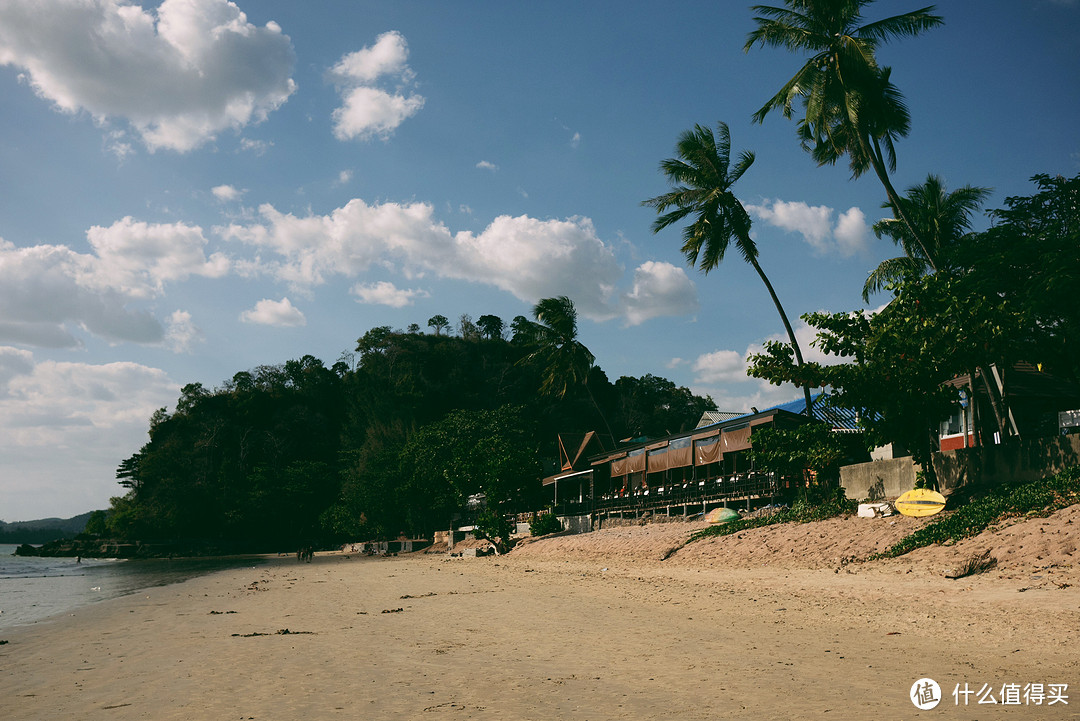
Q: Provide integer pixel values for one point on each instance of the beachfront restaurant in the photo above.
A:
(680, 474)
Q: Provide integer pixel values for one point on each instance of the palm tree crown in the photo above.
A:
(566, 360)
(942, 219)
(851, 108)
(702, 176)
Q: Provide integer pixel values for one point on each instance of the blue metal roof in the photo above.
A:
(840, 418)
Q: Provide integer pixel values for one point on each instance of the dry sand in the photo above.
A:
(776, 623)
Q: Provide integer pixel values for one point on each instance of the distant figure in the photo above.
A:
(78, 559)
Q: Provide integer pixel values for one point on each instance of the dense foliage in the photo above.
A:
(813, 447)
(998, 297)
(410, 431)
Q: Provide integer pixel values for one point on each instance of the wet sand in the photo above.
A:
(570, 628)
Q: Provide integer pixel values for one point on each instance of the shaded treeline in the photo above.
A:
(394, 438)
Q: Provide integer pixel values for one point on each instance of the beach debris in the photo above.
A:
(279, 632)
(977, 563)
(2, 643)
(875, 510)
(220, 613)
(422, 595)
(393, 610)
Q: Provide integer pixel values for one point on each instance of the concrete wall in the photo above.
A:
(878, 480)
(1026, 460)
(576, 524)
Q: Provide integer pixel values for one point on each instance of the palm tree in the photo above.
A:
(565, 360)
(850, 105)
(942, 219)
(702, 177)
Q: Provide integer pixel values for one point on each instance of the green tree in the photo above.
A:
(469, 453)
(943, 221)
(851, 108)
(491, 326)
(438, 323)
(702, 177)
(896, 361)
(810, 447)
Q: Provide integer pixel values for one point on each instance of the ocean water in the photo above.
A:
(33, 589)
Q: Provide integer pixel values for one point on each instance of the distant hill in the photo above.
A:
(42, 530)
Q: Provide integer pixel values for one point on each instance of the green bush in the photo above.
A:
(544, 524)
(1035, 498)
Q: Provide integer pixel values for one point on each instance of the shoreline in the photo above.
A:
(550, 632)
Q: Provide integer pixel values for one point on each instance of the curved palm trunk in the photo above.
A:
(878, 163)
(787, 327)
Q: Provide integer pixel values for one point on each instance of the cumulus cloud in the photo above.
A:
(179, 75)
(524, 256)
(281, 313)
(226, 193)
(45, 289)
(139, 258)
(368, 110)
(386, 293)
(659, 289)
(182, 335)
(846, 237)
(64, 427)
(487, 165)
(720, 366)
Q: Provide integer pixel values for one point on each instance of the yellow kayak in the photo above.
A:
(920, 502)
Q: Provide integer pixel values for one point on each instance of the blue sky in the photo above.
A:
(196, 187)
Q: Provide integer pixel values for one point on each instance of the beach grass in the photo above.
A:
(800, 512)
(995, 505)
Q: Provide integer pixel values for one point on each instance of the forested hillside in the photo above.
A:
(394, 438)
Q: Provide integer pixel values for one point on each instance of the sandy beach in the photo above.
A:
(779, 622)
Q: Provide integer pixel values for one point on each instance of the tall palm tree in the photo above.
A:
(702, 177)
(850, 105)
(942, 219)
(565, 359)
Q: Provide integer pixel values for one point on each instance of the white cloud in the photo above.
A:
(720, 366)
(527, 257)
(851, 232)
(368, 110)
(575, 141)
(139, 258)
(226, 193)
(486, 165)
(182, 334)
(45, 289)
(815, 223)
(64, 427)
(386, 293)
(281, 313)
(388, 56)
(178, 76)
(659, 289)
(344, 177)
